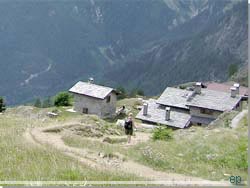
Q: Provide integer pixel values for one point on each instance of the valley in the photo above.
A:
(135, 44)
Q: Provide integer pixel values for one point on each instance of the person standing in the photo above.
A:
(129, 127)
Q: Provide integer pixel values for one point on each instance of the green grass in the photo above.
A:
(129, 104)
(162, 134)
(224, 120)
(23, 161)
(80, 142)
(203, 153)
(243, 121)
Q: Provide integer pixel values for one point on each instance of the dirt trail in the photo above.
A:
(236, 120)
(38, 137)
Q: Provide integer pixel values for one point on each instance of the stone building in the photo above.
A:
(179, 108)
(90, 98)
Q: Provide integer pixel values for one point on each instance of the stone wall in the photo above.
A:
(195, 111)
(96, 106)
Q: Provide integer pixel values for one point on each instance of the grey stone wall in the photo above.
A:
(238, 107)
(108, 108)
(196, 112)
(96, 106)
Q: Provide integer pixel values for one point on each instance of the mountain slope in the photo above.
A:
(47, 46)
(206, 55)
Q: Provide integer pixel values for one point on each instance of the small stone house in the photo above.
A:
(90, 98)
(180, 108)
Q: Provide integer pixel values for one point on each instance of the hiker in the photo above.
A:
(121, 110)
(129, 127)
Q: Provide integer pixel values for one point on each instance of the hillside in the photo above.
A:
(80, 147)
(47, 46)
(203, 56)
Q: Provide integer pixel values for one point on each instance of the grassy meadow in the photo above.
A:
(21, 160)
(212, 153)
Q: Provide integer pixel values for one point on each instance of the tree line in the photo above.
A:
(61, 99)
(2, 105)
(65, 99)
(123, 93)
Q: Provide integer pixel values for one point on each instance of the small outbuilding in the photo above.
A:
(90, 98)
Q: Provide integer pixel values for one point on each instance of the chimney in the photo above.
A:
(237, 86)
(145, 109)
(197, 88)
(91, 80)
(233, 92)
(167, 116)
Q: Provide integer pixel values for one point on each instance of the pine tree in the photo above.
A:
(38, 103)
(47, 103)
(140, 92)
(2, 105)
(122, 92)
(232, 69)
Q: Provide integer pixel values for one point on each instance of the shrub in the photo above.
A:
(38, 103)
(140, 92)
(47, 103)
(62, 99)
(182, 87)
(162, 134)
(122, 92)
(2, 105)
(232, 69)
(134, 92)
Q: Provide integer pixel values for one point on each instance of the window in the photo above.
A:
(85, 110)
(108, 99)
(206, 111)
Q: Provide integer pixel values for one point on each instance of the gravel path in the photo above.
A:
(236, 119)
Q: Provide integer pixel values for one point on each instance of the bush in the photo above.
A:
(38, 103)
(232, 69)
(62, 99)
(162, 134)
(182, 87)
(47, 103)
(140, 92)
(134, 92)
(2, 105)
(122, 92)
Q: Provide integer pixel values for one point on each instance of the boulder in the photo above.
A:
(120, 122)
(108, 140)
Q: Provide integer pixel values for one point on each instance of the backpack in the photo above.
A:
(128, 124)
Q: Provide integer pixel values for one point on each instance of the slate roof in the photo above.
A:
(215, 100)
(156, 114)
(210, 99)
(174, 97)
(91, 90)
